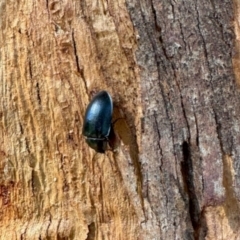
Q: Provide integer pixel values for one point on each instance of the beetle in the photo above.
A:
(97, 125)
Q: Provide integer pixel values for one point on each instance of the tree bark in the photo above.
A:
(172, 69)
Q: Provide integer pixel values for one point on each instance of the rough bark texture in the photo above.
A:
(172, 70)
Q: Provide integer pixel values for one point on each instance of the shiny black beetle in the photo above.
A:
(97, 125)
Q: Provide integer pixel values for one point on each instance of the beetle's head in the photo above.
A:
(99, 145)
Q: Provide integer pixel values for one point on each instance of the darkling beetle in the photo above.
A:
(97, 125)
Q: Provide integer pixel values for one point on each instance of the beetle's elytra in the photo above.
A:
(97, 121)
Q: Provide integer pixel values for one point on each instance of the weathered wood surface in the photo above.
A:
(172, 70)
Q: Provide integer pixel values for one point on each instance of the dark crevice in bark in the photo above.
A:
(38, 94)
(159, 138)
(32, 182)
(100, 197)
(91, 231)
(147, 189)
(79, 68)
(30, 69)
(21, 128)
(75, 53)
(188, 177)
(143, 125)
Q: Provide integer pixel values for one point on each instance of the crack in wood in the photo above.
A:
(195, 212)
(159, 145)
(188, 177)
(91, 231)
(21, 128)
(80, 69)
(30, 69)
(38, 94)
(197, 129)
(75, 53)
(32, 182)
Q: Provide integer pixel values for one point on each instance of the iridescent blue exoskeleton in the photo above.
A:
(97, 125)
